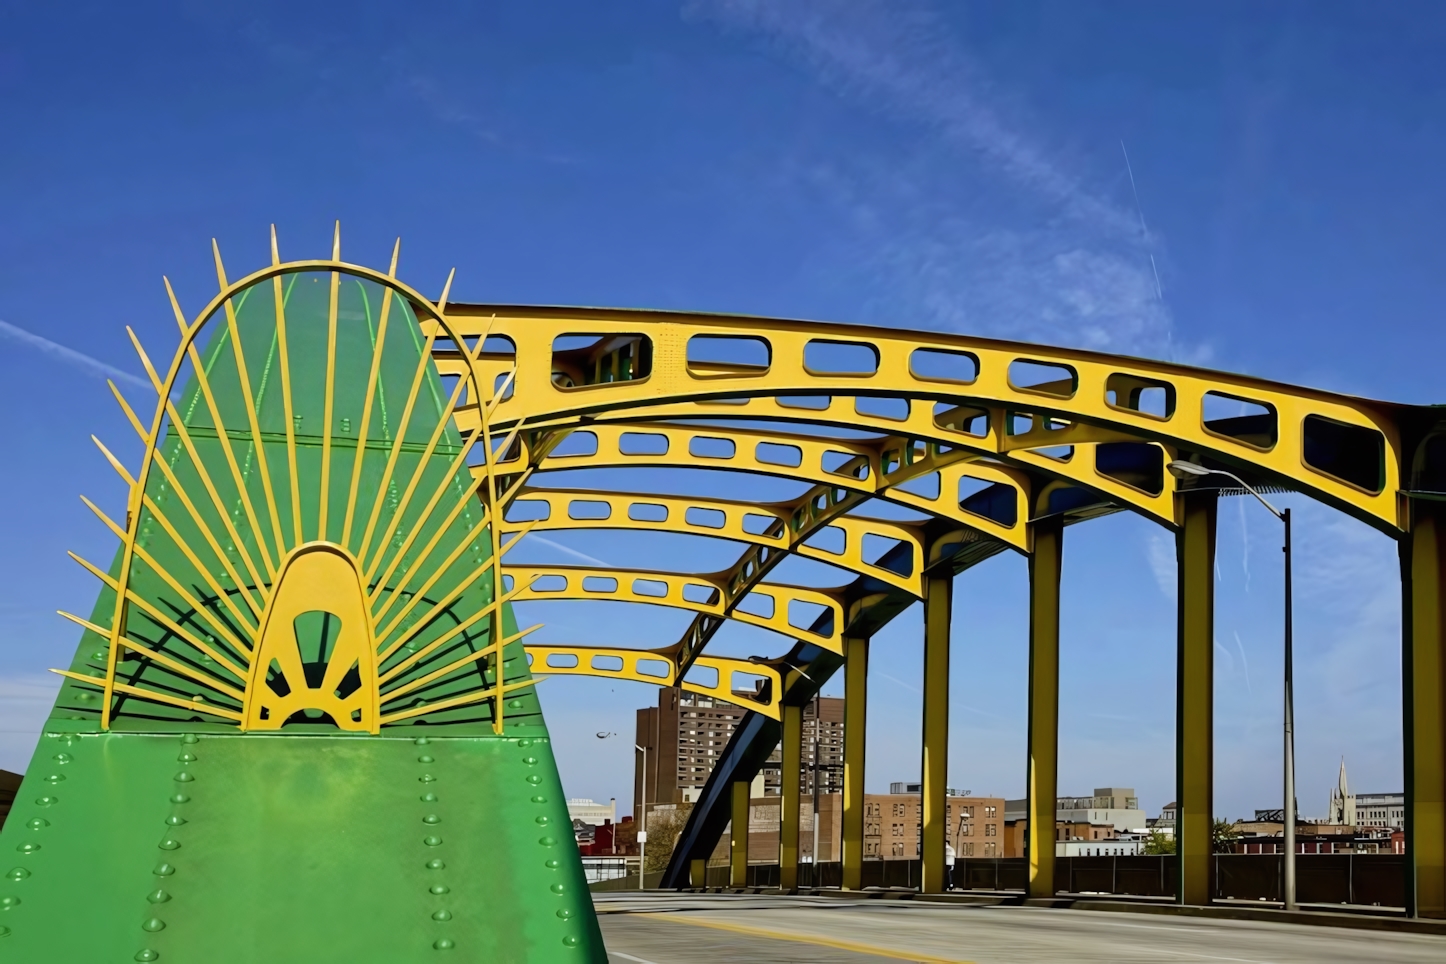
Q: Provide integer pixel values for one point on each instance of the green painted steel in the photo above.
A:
(176, 837)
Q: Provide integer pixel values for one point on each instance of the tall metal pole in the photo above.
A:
(643, 830)
(1288, 883)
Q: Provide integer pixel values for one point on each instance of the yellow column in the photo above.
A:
(1044, 571)
(788, 813)
(856, 678)
(1423, 569)
(1194, 697)
(697, 873)
(738, 841)
(938, 600)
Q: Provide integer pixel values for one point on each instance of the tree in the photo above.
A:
(1223, 834)
(664, 829)
(1158, 843)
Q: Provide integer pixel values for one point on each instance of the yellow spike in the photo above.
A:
(120, 533)
(175, 305)
(94, 570)
(130, 414)
(455, 665)
(498, 692)
(396, 253)
(220, 268)
(146, 360)
(115, 463)
(446, 290)
(85, 623)
(275, 251)
(336, 243)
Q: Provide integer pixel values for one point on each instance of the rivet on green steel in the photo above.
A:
(55, 778)
(426, 758)
(439, 889)
(187, 757)
(435, 864)
(190, 738)
(557, 888)
(158, 896)
(19, 873)
(524, 742)
(514, 704)
(183, 777)
(547, 841)
(28, 848)
(564, 913)
(8, 902)
(36, 823)
(553, 864)
(426, 778)
(442, 915)
(4, 932)
(539, 799)
(180, 798)
(169, 844)
(542, 821)
(163, 870)
(147, 955)
(530, 760)
(421, 741)
(99, 654)
(63, 758)
(431, 818)
(153, 925)
(175, 821)
(570, 941)
(534, 779)
(445, 944)
(429, 798)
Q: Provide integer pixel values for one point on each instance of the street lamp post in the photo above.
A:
(1183, 470)
(643, 830)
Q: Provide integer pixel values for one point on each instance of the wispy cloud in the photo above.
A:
(568, 550)
(1160, 554)
(69, 356)
(1053, 258)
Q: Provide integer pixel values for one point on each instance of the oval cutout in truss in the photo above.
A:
(848, 464)
(583, 361)
(700, 594)
(812, 403)
(658, 668)
(711, 447)
(750, 686)
(965, 419)
(810, 617)
(1240, 419)
(894, 409)
(528, 510)
(705, 518)
(758, 524)
(994, 501)
(1139, 465)
(1144, 396)
(703, 676)
(648, 512)
(1043, 378)
(944, 365)
(759, 604)
(1354, 454)
(575, 445)
(589, 510)
(724, 356)
(925, 486)
(655, 588)
(776, 453)
(599, 584)
(606, 663)
(830, 539)
(643, 443)
(549, 583)
(824, 356)
(561, 661)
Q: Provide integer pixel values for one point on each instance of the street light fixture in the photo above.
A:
(642, 830)
(1186, 470)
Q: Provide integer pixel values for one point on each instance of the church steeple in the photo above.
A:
(1343, 802)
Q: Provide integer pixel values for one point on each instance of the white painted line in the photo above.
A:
(628, 957)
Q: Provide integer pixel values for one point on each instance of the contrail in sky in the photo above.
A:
(69, 356)
(570, 551)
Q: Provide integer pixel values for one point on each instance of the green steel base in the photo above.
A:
(232, 849)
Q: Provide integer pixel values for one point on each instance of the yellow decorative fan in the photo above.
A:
(307, 540)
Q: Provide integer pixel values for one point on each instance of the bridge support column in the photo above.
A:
(697, 873)
(856, 679)
(1194, 698)
(1423, 581)
(938, 604)
(742, 792)
(1044, 572)
(788, 815)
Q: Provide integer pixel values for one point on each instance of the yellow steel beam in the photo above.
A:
(739, 800)
(856, 674)
(660, 668)
(1044, 573)
(769, 604)
(1194, 707)
(1423, 558)
(643, 359)
(757, 523)
(938, 606)
(790, 797)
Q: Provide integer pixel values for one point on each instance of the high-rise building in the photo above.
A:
(685, 735)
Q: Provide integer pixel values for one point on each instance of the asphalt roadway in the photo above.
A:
(681, 929)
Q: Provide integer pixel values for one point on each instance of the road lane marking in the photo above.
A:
(628, 957)
(857, 948)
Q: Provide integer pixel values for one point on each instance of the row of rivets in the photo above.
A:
(434, 840)
(29, 847)
(154, 924)
(542, 820)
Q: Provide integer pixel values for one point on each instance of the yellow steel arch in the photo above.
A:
(641, 358)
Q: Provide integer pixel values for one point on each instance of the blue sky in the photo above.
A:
(950, 166)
